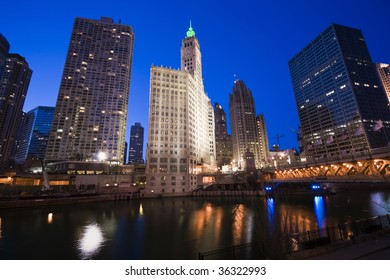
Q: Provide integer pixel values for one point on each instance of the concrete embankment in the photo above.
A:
(67, 198)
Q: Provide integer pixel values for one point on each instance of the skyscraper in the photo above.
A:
(13, 89)
(341, 104)
(181, 123)
(92, 104)
(384, 74)
(4, 49)
(245, 136)
(263, 138)
(223, 141)
(35, 134)
(136, 143)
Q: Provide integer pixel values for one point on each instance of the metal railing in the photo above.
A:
(346, 231)
(238, 252)
(304, 240)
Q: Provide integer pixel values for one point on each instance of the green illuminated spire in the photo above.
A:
(190, 32)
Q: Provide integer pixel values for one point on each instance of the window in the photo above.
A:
(153, 168)
(183, 168)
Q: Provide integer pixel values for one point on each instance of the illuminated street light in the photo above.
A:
(102, 156)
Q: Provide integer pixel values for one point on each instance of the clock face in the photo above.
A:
(188, 53)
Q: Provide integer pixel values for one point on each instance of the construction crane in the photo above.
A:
(277, 137)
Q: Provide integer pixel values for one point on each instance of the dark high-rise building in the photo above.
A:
(136, 143)
(35, 134)
(125, 153)
(4, 49)
(223, 141)
(91, 110)
(263, 138)
(245, 136)
(220, 122)
(341, 103)
(13, 89)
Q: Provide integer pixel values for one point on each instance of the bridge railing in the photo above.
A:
(379, 153)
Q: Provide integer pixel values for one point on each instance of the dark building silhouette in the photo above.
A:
(263, 138)
(136, 143)
(341, 103)
(4, 49)
(223, 141)
(125, 153)
(13, 89)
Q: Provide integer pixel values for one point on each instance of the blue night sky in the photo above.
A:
(253, 40)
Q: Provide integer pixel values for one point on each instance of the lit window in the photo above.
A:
(329, 93)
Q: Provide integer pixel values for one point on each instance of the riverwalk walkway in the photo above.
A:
(377, 247)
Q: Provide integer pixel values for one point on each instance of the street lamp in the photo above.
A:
(102, 156)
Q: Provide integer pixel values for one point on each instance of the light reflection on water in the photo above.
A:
(206, 221)
(270, 210)
(319, 211)
(50, 218)
(91, 241)
(172, 228)
(242, 224)
(141, 210)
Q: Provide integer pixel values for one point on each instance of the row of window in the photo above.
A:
(164, 169)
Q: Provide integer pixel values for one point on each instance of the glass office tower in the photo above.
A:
(136, 143)
(35, 134)
(341, 103)
(4, 48)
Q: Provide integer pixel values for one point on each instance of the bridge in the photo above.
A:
(364, 167)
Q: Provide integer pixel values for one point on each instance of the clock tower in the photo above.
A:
(191, 59)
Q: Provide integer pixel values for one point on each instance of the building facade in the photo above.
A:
(91, 110)
(341, 104)
(13, 90)
(384, 74)
(223, 141)
(34, 136)
(136, 144)
(4, 49)
(245, 136)
(263, 139)
(181, 124)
